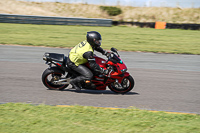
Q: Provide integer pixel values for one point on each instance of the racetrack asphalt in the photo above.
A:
(164, 82)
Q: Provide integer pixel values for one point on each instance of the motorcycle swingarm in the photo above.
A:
(62, 81)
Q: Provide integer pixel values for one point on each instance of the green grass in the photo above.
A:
(122, 37)
(21, 118)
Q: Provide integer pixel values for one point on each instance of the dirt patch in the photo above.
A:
(136, 14)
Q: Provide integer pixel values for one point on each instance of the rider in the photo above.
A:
(82, 53)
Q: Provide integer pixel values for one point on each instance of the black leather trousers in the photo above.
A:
(85, 73)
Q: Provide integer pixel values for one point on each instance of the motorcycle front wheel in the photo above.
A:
(127, 85)
(50, 75)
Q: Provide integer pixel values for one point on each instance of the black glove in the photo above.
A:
(104, 71)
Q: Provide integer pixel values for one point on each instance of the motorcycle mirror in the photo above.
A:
(113, 49)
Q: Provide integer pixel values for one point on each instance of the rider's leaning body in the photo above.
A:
(83, 53)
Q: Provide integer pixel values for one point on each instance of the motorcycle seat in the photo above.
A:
(55, 57)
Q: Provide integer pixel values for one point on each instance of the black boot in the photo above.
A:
(75, 84)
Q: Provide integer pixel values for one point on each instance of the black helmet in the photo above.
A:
(94, 38)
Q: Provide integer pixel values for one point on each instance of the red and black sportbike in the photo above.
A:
(59, 75)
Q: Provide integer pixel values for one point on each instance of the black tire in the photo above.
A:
(127, 85)
(47, 77)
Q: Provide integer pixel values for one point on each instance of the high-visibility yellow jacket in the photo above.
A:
(76, 54)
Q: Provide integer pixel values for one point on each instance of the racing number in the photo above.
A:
(80, 45)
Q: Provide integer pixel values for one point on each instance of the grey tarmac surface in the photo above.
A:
(166, 82)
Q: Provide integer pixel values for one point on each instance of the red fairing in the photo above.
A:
(100, 61)
(122, 66)
(99, 82)
(119, 67)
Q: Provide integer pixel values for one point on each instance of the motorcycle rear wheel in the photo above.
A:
(127, 85)
(50, 75)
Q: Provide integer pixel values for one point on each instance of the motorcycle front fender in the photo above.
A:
(126, 74)
(120, 77)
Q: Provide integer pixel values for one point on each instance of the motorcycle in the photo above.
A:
(59, 75)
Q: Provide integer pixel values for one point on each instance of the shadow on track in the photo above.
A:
(106, 92)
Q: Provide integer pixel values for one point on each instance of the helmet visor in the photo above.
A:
(98, 42)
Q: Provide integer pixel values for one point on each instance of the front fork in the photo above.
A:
(121, 82)
(117, 84)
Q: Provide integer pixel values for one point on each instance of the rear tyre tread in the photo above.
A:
(49, 85)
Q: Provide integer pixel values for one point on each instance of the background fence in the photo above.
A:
(152, 25)
(29, 19)
(134, 3)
